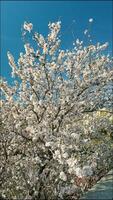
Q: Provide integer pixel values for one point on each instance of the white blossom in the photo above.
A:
(28, 26)
(79, 172)
(63, 176)
(87, 171)
(86, 31)
(91, 20)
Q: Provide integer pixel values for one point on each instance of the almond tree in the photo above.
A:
(50, 118)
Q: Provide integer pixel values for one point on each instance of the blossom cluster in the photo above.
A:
(56, 124)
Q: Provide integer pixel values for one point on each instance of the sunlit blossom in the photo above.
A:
(91, 20)
(28, 26)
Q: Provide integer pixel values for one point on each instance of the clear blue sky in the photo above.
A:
(13, 15)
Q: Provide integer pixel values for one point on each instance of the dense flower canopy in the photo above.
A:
(56, 125)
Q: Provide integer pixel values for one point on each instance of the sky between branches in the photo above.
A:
(74, 16)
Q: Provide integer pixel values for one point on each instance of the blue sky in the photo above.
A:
(73, 14)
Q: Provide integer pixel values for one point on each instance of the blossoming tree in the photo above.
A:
(53, 139)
